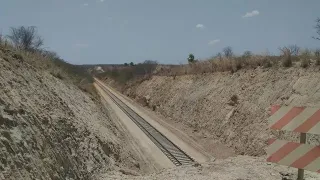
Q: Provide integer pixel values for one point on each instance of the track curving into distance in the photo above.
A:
(172, 151)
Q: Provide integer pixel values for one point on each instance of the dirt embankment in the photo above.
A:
(230, 109)
(50, 129)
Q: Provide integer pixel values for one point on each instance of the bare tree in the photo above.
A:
(317, 27)
(294, 49)
(284, 51)
(25, 38)
(219, 56)
(149, 66)
(145, 68)
(286, 54)
(227, 52)
(247, 54)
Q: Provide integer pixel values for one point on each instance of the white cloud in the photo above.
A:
(200, 26)
(101, 0)
(251, 14)
(85, 4)
(81, 45)
(213, 42)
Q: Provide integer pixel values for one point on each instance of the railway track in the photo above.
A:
(172, 151)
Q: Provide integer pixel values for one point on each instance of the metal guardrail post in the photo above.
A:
(303, 140)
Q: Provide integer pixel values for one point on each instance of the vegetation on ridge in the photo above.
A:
(26, 44)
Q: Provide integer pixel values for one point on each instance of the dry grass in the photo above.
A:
(286, 55)
(317, 56)
(58, 68)
(211, 65)
(33, 58)
(88, 87)
(304, 59)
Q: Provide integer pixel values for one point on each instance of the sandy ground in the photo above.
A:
(190, 147)
(234, 168)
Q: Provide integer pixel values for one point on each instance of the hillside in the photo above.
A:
(54, 126)
(159, 90)
(228, 110)
(52, 129)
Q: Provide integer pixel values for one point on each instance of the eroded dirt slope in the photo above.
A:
(52, 130)
(203, 104)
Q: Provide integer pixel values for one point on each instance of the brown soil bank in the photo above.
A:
(50, 129)
(231, 108)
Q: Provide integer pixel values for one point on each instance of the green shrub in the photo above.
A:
(191, 58)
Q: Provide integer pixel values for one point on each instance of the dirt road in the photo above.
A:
(180, 139)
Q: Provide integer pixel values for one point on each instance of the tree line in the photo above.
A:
(291, 50)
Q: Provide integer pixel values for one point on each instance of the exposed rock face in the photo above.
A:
(231, 108)
(52, 130)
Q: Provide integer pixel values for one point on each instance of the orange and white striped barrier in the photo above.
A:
(297, 119)
(299, 155)
(296, 155)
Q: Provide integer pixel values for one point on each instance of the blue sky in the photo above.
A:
(118, 31)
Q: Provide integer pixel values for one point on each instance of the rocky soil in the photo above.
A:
(50, 129)
(229, 109)
(235, 168)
